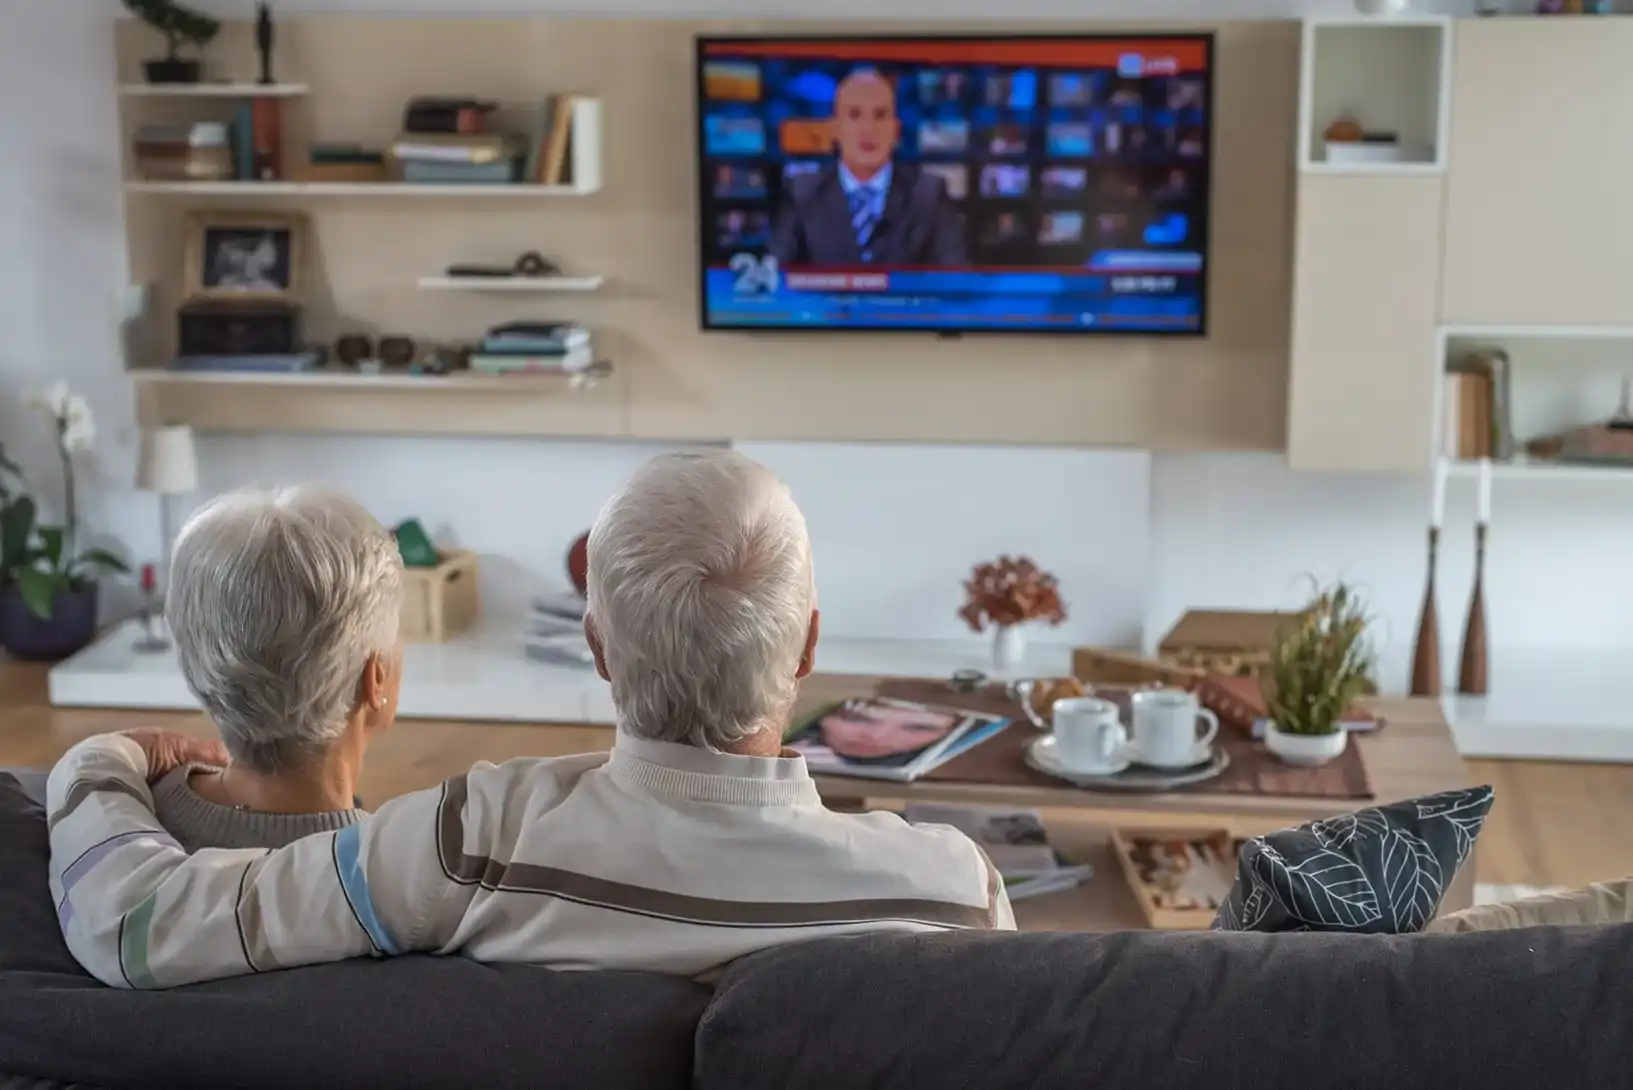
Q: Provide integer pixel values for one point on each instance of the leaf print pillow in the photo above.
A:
(1381, 871)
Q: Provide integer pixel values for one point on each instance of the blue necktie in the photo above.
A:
(863, 220)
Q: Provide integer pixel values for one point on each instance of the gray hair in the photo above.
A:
(277, 599)
(700, 589)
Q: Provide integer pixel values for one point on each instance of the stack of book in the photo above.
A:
(533, 348)
(448, 142)
(554, 631)
(1016, 843)
(878, 738)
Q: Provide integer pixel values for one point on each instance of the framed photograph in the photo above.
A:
(245, 255)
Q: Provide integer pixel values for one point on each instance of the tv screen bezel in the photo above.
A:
(702, 42)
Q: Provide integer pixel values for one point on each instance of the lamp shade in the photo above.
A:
(169, 465)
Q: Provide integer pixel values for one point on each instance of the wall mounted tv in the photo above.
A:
(956, 184)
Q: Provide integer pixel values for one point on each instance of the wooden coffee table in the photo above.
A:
(1414, 755)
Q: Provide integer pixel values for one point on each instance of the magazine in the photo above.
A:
(877, 738)
(1016, 843)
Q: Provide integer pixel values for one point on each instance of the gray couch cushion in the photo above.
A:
(1521, 1010)
(421, 1022)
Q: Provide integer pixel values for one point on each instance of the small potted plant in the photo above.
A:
(1319, 664)
(48, 591)
(1008, 593)
(180, 26)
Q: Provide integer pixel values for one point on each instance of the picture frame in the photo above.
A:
(245, 255)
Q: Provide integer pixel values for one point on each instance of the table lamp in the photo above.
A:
(168, 467)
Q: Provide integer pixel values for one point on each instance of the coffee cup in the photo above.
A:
(1165, 728)
(1089, 733)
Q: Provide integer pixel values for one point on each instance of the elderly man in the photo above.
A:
(696, 841)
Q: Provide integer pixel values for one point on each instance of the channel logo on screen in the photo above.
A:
(1131, 65)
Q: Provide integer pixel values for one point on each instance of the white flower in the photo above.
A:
(79, 427)
(53, 401)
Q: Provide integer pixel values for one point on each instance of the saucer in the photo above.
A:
(1046, 752)
(1041, 755)
(1200, 756)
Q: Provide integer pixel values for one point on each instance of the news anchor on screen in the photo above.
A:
(867, 208)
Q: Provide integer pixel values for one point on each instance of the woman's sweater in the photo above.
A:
(196, 822)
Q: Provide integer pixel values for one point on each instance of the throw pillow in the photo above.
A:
(1381, 871)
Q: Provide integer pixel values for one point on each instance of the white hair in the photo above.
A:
(277, 599)
(700, 590)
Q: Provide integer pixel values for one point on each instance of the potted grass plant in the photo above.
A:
(48, 589)
(181, 26)
(1319, 664)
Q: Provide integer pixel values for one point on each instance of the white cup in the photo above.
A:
(1165, 728)
(1088, 733)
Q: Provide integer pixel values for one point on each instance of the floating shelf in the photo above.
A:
(1390, 75)
(513, 285)
(351, 189)
(212, 90)
(1529, 469)
(346, 380)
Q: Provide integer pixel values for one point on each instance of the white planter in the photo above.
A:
(1307, 750)
(1008, 646)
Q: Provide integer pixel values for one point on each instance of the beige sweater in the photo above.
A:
(656, 856)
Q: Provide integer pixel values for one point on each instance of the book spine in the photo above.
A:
(1232, 712)
(243, 143)
(267, 121)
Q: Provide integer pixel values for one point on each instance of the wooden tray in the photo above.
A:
(1131, 846)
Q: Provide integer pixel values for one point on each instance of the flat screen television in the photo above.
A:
(956, 184)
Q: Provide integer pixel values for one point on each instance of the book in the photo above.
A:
(533, 169)
(425, 173)
(554, 170)
(476, 149)
(1015, 841)
(879, 738)
(1240, 704)
(577, 359)
(447, 115)
(243, 143)
(1467, 417)
(270, 363)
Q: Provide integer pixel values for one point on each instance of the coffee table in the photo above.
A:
(1414, 755)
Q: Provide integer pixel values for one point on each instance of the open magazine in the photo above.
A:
(1016, 843)
(884, 739)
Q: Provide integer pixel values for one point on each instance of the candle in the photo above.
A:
(1438, 516)
(1484, 516)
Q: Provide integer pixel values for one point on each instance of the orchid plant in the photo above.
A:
(41, 560)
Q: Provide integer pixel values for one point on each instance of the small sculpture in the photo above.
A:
(263, 40)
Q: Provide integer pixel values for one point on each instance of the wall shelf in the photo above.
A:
(240, 190)
(212, 90)
(1390, 75)
(514, 285)
(347, 380)
(1537, 470)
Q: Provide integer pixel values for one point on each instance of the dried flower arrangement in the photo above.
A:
(1320, 663)
(1010, 591)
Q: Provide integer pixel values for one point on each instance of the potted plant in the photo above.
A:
(180, 26)
(48, 590)
(1319, 664)
(1007, 593)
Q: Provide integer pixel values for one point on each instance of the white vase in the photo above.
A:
(1008, 646)
(1307, 750)
(1382, 7)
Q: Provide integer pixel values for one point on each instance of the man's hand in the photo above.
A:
(168, 750)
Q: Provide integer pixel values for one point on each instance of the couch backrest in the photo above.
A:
(1210, 1011)
(420, 1022)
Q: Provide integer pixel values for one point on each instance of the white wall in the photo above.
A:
(1136, 540)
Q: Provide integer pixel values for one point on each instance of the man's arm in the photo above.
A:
(138, 912)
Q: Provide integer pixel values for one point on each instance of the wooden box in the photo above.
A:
(441, 602)
(1201, 867)
(1223, 641)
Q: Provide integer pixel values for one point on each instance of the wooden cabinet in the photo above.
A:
(1538, 231)
(1366, 267)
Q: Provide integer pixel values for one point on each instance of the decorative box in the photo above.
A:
(441, 602)
(1222, 641)
(226, 328)
(1180, 877)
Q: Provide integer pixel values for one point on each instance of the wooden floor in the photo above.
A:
(1553, 823)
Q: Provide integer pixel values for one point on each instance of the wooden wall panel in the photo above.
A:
(1227, 391)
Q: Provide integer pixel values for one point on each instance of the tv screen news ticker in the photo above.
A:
(963, 184)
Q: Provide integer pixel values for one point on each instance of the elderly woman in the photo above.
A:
(284, 608)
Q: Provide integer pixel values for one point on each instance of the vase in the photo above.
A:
(1008, 646)
(71, 626)
(1382, 7)
(1426, 658)
(1306, 750)
(1471, 675)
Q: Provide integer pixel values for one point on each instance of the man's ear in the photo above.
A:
(807, 658)
(595, 647)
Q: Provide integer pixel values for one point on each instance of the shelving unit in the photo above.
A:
(1528, 469)
(251, 190)
(347, 380)
(212, 90)
(1390, 75)
(515, 285)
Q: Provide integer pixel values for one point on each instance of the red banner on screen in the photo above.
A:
(1162, 56)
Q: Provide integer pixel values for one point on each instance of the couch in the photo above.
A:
(1521, 1009)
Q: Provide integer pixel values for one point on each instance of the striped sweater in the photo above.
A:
(655, 856)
